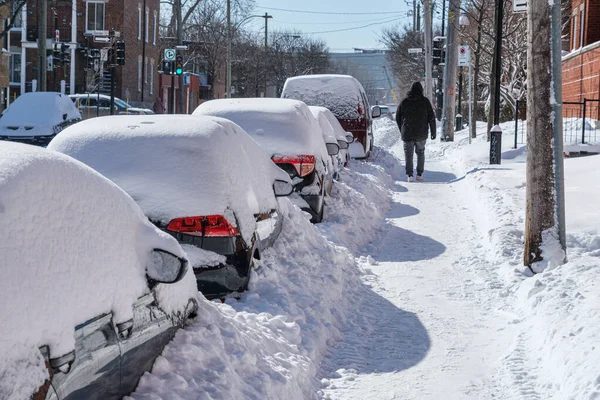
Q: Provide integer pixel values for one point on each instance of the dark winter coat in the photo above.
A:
(414, 115)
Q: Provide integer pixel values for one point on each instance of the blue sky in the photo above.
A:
(392, 12)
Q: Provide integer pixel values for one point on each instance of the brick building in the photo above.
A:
(77, 21)
(581, 66)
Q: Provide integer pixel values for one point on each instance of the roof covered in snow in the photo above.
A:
(329, 135)
(341, 94)
(77, 248)
(178, 166)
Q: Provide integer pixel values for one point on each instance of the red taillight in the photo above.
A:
(212, 225)
(360, 109)
(304, 165)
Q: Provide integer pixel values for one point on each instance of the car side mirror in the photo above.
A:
(350, 137)
(63, 363)
(343, 144)
(64, 117)
(165, 267)
(332, 149)
(375, 111)
(282, 188)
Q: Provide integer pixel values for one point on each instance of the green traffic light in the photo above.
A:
(179, 71)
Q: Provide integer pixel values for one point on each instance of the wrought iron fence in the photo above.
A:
(581, 122)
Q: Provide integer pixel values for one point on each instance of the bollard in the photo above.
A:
(458, 123)
(496, 145)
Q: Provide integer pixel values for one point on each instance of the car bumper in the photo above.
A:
(315, 203)
(226, 278)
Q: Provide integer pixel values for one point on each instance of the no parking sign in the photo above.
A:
(464, 56)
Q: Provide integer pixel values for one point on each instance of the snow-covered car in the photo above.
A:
(36, 117)
(330, 137)
(94, 105)
(201, 179)
(345, 97)
(289, 133)
(91, 291)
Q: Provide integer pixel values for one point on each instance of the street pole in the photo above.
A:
(414, 16)
(228, 79)
(450, 73)
(559, 178)
(172, 93)
(460, 86)
(443, 16)
(112, 90)
(470, 102)
(42, 35)
(180, 42)
(428, 42)
(497, 58)
(266, 17)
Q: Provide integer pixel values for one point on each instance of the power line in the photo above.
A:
(331, 23)
(330, 13)
(357, 27)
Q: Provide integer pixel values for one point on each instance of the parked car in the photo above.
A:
(344, 138)
(330, 136)
(345, 97)
(95, 105)
(91, 291)
(384, 110)
(35, 117)
(290, 135)
(201, 179)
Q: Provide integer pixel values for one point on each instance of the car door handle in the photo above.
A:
(124, 329)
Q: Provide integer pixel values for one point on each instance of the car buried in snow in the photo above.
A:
(91, 291)
(201, 179)
(290, 135)
(327, 121)
(36, 117)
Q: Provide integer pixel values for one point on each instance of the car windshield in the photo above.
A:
(121, 103)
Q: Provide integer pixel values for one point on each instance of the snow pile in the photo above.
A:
(267, 345)
(40, 110)
(280, 127)
(341, 94)
(555, 353)
(64, 262)
(386, 132)
(178, 166)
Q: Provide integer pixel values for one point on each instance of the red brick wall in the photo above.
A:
(581, 75)
(593, 21)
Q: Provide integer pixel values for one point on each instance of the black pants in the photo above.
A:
(409, 149)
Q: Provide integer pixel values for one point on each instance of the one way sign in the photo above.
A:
(519, 6)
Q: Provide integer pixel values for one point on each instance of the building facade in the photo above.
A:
(581, 66)
(75, 23)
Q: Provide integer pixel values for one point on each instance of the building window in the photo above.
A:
(15, 68)
(582, 27)
(146, 70)
(95, 16)
(139, 73)
(574, 32)
(18, 22)
(155, 27)
(139, 22)
(147, 27)
(152, 76)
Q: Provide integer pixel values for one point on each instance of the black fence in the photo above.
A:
(581, 122)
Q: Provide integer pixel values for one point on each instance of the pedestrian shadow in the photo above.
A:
(438, 177)
(378, 337)
(396, 244)
(400, 210)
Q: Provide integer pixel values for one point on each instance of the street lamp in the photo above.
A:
(462, 22)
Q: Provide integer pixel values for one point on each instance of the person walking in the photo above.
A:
(159, 107)
(414, 116)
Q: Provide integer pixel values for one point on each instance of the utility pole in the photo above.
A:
(418, 17)
(450, 73)
(428, 43)
(42, 35)
(144, 33)
(180, 42)
(228, 78)
(414, 12)
(540, 194)
(266, 17)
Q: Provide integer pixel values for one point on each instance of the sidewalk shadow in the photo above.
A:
(396, 244)
(477, 169)
(378, 337)
(438, 177)
(401, 210)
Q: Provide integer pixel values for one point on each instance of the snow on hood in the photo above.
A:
(341, 94)
(37, 110)
(179, 166)
(281, 127)
(74, 246)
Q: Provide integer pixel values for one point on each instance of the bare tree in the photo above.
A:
(406, 67)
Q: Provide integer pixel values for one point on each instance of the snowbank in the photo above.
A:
(557, 311)
(179, 166)
(64, 262)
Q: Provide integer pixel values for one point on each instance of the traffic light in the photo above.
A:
(120, 52)
(167, 67)
(64, 54)
(179, 65)
(437, 51)
(55, 56)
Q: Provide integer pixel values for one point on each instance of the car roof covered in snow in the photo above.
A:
(281, 127)
(329, 134)
(340, 132)
(77, 248)
(39, 108)
(341, 94)
(178, 165)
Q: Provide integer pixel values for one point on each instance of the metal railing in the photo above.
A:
(581, 122)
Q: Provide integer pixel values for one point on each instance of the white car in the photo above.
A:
(290, 135)
(201, 179)
(330, 136)
(342, 136)
(35, 117)
(91, 291)
(97, 105)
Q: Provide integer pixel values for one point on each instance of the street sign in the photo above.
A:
(415, 50)
(520, 6)
(57, 36)
(104, 54)
(170, 54)
(464, 56)
(101, 39)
